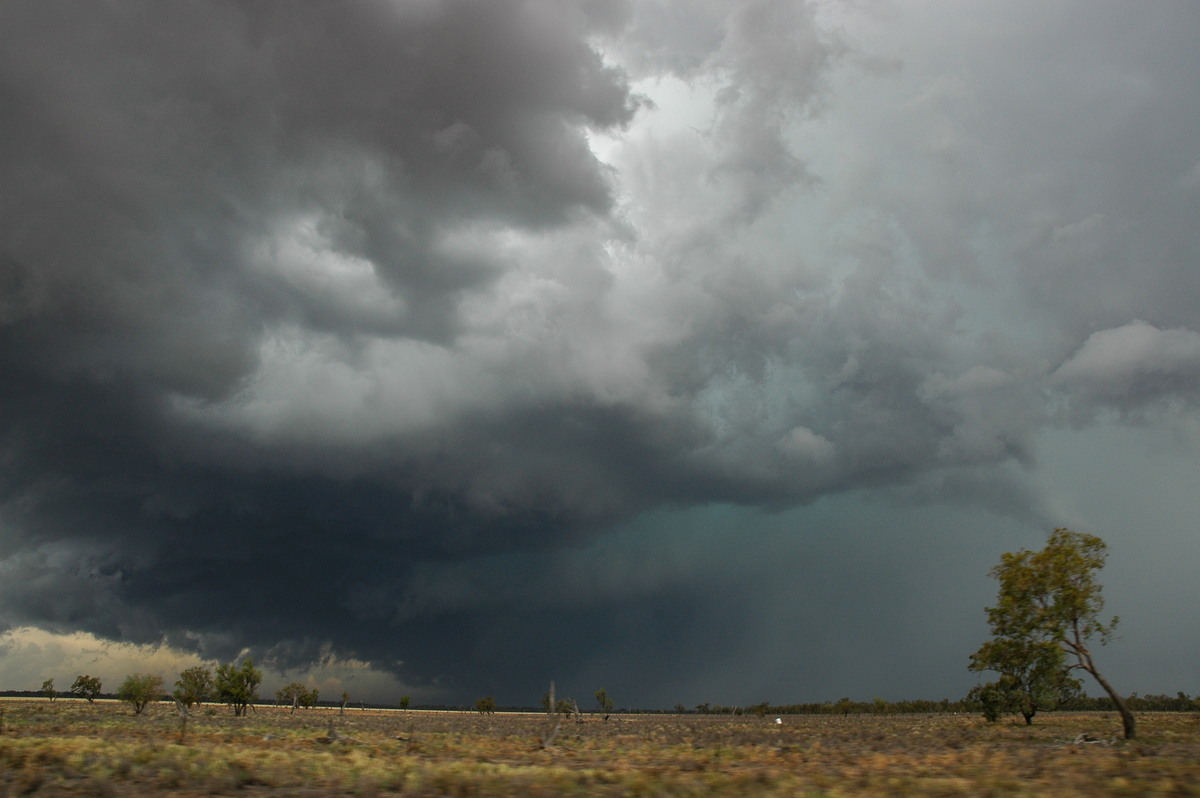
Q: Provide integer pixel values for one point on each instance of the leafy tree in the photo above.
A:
(194, 686)
(486, 706)
(297, 695)
(48, 689)
(1047, 610)
(87, 687)
(236, 686)
(604, 702)
(404, 702)
(140, 689)
(290, 694)
(1033, 676)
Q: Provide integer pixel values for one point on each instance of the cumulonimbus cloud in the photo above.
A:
(346, 296)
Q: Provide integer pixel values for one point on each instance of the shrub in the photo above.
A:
(139, 689)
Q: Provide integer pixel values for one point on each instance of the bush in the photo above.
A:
(139, 689)
(194, 686)
(237, 686)
(87, 687)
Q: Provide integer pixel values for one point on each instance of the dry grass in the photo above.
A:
(77, 749)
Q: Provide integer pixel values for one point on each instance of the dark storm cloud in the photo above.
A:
(165, 150)
(322, 325)
(178, 181)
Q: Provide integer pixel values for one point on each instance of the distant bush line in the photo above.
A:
(1180, 702)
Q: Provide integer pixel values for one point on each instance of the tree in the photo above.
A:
(194, 686)
(140, 689)
(297, 695)
(604, 702)
(236, 686)
(486, 706)
(1047, 610)
(48, 689)
(87, 687)
(404, 702)
(1033, 676)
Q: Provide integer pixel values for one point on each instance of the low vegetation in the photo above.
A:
(80, 749)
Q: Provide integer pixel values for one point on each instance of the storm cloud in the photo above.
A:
(492, 342)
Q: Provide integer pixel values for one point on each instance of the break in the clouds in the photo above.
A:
(415, 331)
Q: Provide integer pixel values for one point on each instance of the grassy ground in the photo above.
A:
(77, 749)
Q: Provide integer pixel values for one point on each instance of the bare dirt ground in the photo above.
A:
(71, 748)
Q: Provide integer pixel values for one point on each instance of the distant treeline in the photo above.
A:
(1180, 702)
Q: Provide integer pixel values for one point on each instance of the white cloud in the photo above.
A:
(801, 443)
(1133, 365)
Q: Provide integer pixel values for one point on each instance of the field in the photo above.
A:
(72, 748)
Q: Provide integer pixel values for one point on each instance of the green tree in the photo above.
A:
(48, 689)
(290, 695)
(486, 706)
(139, 689)
(236, 685)
(404, 702)
(1047, 610)
(604, 702)
(194, 686)
(296, 695)
(87, 687)
(1033, 676)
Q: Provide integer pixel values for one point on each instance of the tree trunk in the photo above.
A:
(1075, 645)
(1127, 719)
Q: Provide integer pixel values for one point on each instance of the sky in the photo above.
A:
(706, 352)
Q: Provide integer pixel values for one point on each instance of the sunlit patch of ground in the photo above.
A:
(77, 749)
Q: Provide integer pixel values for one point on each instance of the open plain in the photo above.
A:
(71, 748)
